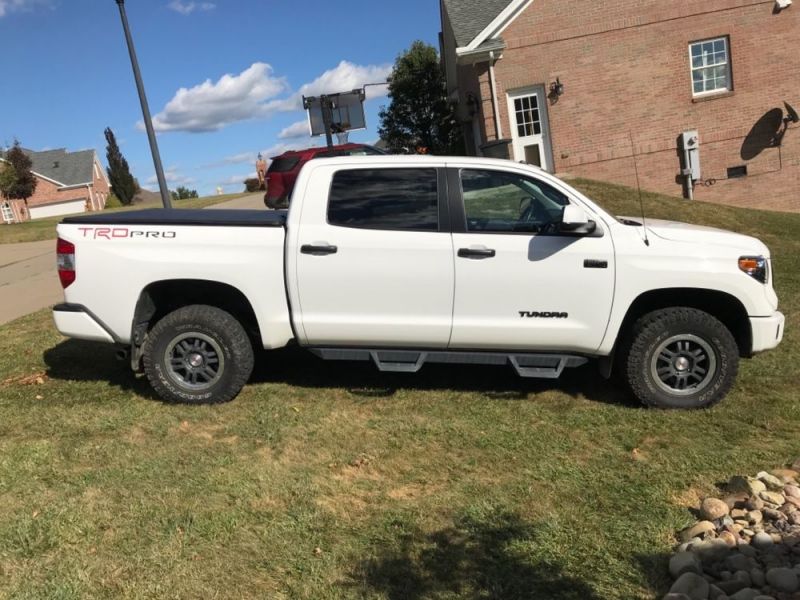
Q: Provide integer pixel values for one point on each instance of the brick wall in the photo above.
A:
(625, 67)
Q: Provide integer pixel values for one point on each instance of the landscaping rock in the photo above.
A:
(762, 540)
(787, 475)
(692, 585)
(699, 530)
(773, 483)
(684, 562)
(748, 485)
(792, 491)
(775, 498)
(783, 580)
(746, 594)
(713, 509)
(747, 545)
(671, 596)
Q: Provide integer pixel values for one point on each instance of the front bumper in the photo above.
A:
(76, 321)
(767, 331)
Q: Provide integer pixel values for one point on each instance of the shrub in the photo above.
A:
(252, 185)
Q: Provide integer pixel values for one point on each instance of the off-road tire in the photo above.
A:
(225, 341)
(643, 370)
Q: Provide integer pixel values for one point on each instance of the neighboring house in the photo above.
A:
(581, 87)
(67, 183)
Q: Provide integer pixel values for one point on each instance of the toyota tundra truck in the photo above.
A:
(404, 261)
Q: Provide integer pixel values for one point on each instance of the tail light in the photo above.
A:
(66, 262)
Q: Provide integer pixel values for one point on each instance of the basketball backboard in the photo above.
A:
(347, 112)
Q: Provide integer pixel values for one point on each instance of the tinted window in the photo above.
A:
(495, 201)
(283, 165)
(397, 199)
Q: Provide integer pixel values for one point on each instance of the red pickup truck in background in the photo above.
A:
(284, 169)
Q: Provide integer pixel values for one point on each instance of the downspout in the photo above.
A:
(91, 197)
(498, 127)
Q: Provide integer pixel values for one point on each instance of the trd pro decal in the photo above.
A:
(116, 233)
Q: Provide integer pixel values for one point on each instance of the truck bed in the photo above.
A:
(193, 217)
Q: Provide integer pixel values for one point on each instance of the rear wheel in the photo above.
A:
(198, 355)
(680, 358)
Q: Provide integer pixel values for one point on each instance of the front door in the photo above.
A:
(374, 266)
(527, 110)
(8, 213)
(520, 283)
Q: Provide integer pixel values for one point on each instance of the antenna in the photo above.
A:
(639, 190)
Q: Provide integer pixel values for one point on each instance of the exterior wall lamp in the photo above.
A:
(557, 88)
(472, 105)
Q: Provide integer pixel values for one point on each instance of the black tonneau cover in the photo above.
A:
(180, 216)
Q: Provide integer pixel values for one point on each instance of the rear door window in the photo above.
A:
(283, 165)
(389, 199)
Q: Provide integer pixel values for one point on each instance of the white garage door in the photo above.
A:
(56, 210)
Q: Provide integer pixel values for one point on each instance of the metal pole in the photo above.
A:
(148, 121)
(327, 119)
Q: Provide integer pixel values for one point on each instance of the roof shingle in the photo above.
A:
(470, 17)
(67, 168)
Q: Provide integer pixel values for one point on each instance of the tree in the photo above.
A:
(183, 193)
(122, 182)
(17, 182)
(419, 117)
(7, 178)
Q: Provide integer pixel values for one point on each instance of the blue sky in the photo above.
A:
(223, 77)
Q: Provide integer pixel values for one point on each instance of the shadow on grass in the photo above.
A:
(296, 367)
(475, 559)
(77, 360)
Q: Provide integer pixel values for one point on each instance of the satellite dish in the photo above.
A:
(791, 114)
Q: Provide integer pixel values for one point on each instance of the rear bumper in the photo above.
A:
(767, 331)
(76, 321)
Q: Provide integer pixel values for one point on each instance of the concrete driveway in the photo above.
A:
(28, 278)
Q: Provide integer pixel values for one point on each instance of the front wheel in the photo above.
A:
(680, 358)
(198, 355)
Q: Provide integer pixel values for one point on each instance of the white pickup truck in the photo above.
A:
(411, 260)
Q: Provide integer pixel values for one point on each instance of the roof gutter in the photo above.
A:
(498, 127)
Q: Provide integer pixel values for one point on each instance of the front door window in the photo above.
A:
(8, 214)
(528, 115)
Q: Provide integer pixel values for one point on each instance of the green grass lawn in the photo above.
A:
(45, 229)
(330, 480)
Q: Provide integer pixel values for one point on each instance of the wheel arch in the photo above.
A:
(725, 307)
(160, 298)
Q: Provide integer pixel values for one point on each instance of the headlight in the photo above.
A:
(755, 266)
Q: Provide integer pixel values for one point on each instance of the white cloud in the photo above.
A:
(295, 130)
(254, 94)
(346, 76)
(174, 178)
(187, 8)
(8, 6)
(235, 159)
(211, 106)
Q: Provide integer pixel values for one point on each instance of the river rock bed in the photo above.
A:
(745, 545)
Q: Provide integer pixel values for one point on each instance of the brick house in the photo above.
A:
(579, 87)
(68, 183)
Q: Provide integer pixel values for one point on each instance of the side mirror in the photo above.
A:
(575, 220)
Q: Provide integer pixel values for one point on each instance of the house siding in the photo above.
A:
(625, 68)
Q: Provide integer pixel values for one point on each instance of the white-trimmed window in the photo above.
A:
(8, 214)
(711, 66)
